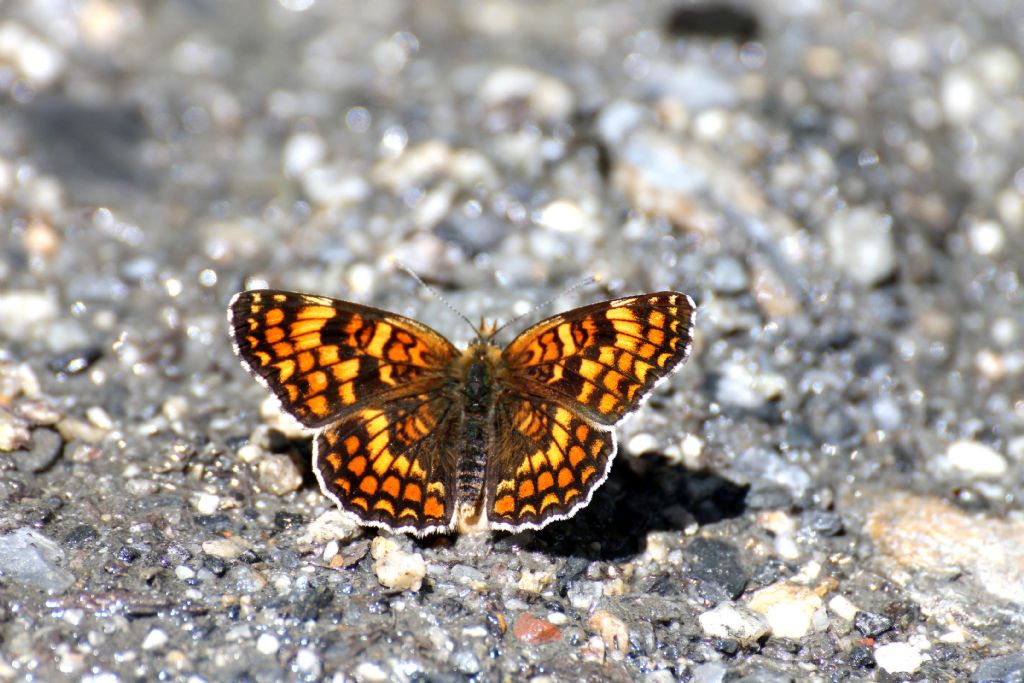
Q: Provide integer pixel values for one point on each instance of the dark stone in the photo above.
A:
(313, 602)
(81, 535)
(716, 562)
(822, 523)
(127, 554)
(175, 554)
(862, 657)
(713, 20)
(216, 523)
(871, 624)
(286, 520)
(727, 646)
(45, 448)
(1004, 669)
(249, 556)
(215, 564)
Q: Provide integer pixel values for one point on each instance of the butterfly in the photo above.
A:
(415, 436)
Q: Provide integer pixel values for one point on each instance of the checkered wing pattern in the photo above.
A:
(570, 379)
(324, 358)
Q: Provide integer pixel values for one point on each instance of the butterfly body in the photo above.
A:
(416, 436)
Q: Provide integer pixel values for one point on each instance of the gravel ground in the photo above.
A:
(829, 490)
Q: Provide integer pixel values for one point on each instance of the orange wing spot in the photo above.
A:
(538, 461)
(274, 316)
(381, 334)
(361, 502)
(433, 508)
(557, 374)
(280, 297)
(384, 374)
(293, 392)
(564, 477)
(582, 432)
(620, 313)
(435, 488)
(385, 505)
(317, 405)
(626, 343)
(504, 505)
(565, 336)
(647, 351)
(607, 405)
(401, 465)
(322, 312)
(413, 493)
(607, 356)
(368, 485)
(408, 512)
(625, 363)
(570, 494)
(640, 369)
(343, 484)
(663, 358)
(346, 394)
(317, 382)
(392, 486)
(264, 357)
(282, 350)
(352, 444)
(526, 489)
(397, 354)
(306, 362)
(631, 391)
(656, 319)
(327, 355)
(346, 370)
(307, 341)
(587, 473)
(303, 327)
(417, 472)
(633, 329)
(545, 481)
(611, 382)
(589, 369)
(596, 447)
(527, 510)
(357, 465)
(285, 369)
(586, 391)
(656, 336)
(335, 460)
(273, 335)
(576, 455)
(549, 500)
(555, 450)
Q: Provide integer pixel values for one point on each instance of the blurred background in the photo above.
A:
(830, 488)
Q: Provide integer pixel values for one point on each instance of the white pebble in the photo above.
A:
(843, 608)
(184, 572)
(154, 639)
(400, 569)
(307, 663)
(642, 443)
(333, 525)
(267, 644)
(899, 658)
(302, 151)
(987, 238)
(735, 622)
(861, 245)
(371, 672)
(206, 503)
(976, 459)
(789, 609)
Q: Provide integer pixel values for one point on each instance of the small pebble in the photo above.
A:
(26, 313)
(530, 629)
(401, 570)
(535, 581)
(333, 525)
(612, 630)
(733, 621)
(899, 658)
(976, 459)
(156, 638)
(267, 644)
(44, 450)
(279, 475)
(861, 245)
(225, 548)
(789, 609)
(371, 672)
(307, 663)
(843, 608)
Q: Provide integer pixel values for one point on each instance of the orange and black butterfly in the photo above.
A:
(416, 436)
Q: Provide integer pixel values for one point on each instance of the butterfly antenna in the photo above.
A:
(437, 295)
(589, 280)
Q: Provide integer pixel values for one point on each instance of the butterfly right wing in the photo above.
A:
(393, 465)
(323, 357)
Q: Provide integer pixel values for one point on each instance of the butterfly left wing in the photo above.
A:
(602, 360)
(323, 358)
(393, 466)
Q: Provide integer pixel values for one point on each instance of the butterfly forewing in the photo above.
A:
(602, 360)
(323, 358)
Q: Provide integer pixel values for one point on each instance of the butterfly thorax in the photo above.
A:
(477, 374)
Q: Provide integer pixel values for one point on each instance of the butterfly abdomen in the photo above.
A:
(477, 395)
